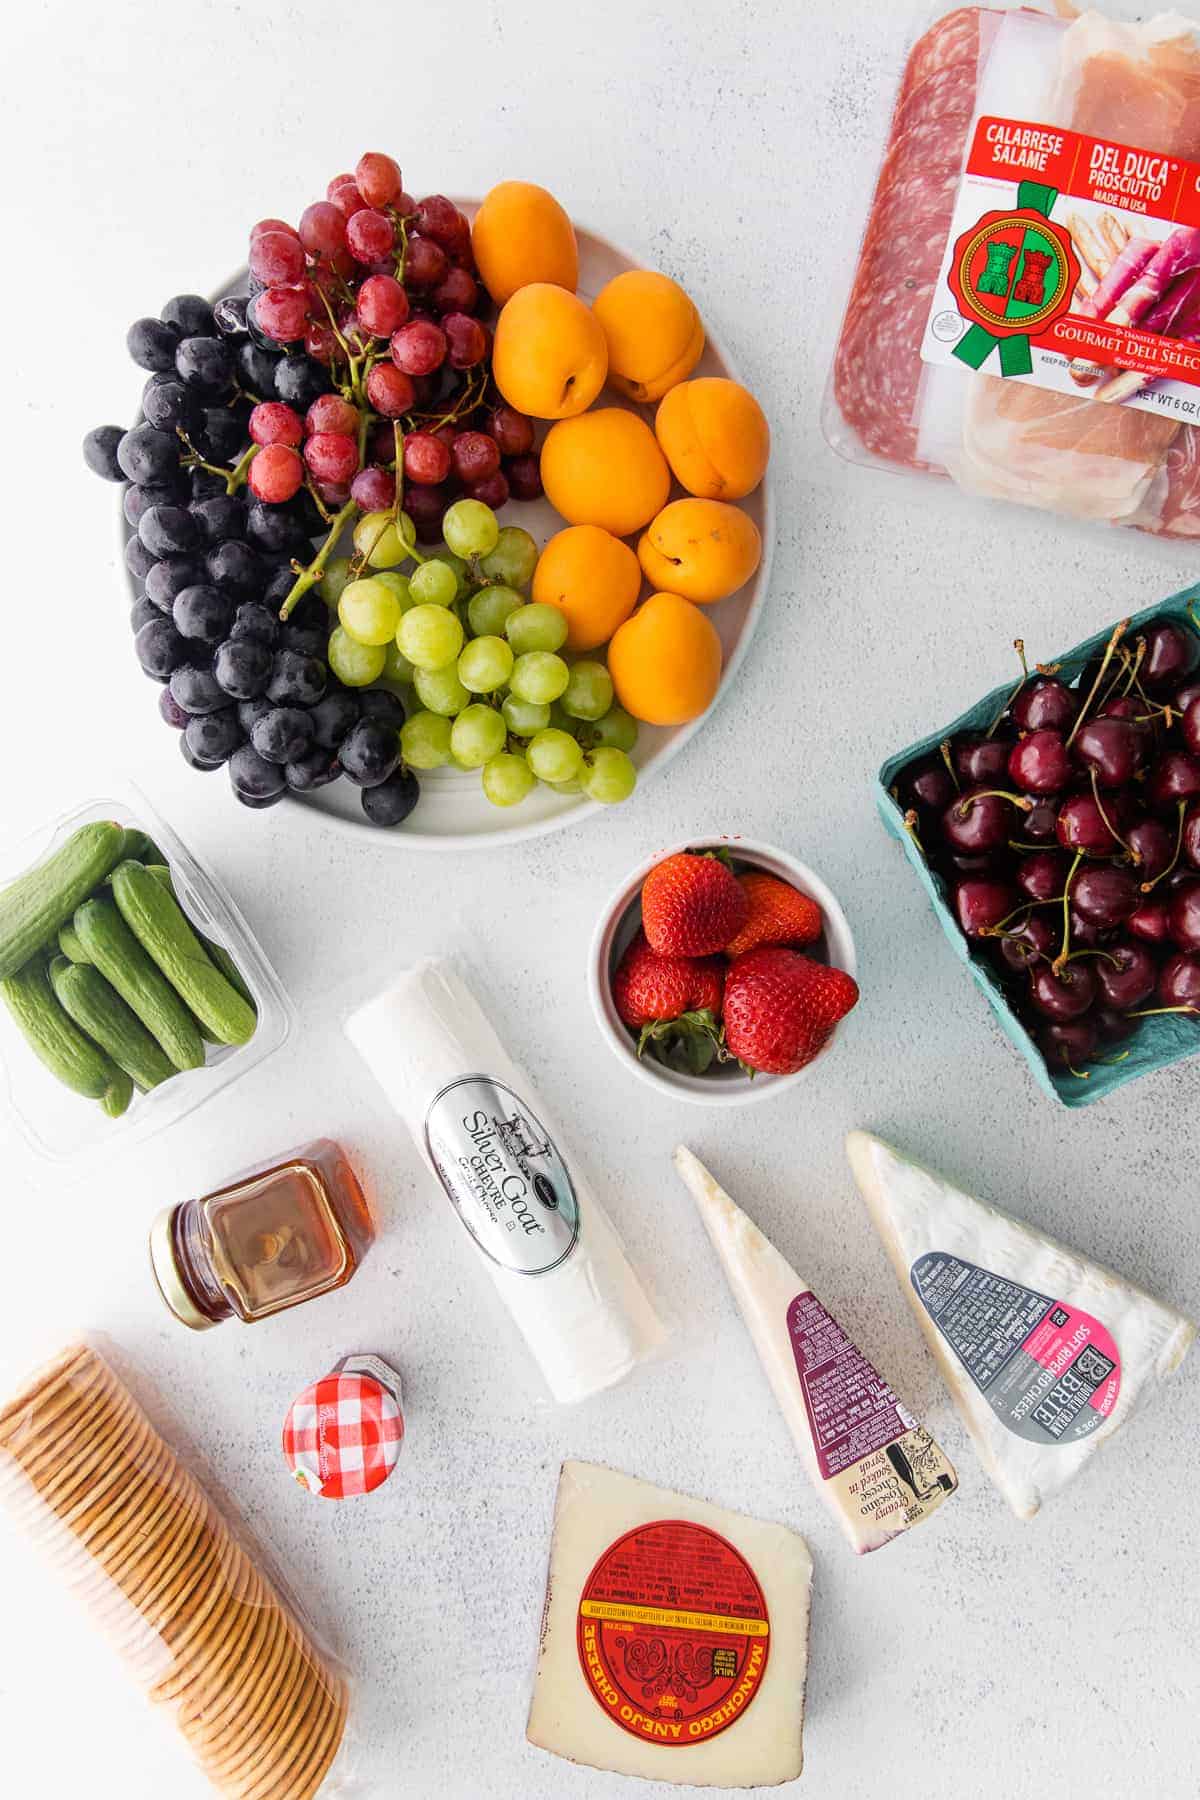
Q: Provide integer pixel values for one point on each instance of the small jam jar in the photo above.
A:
(272, 1239)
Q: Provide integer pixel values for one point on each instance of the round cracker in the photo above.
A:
(278, 1738)
(273, 1692)
(160, 1510)
(42, 1384)
(115, 1482)
(293, 1746)
(66, 1414)
(191, 1624)
(190, 1688)
(148, 1645)
(226, 1728)
(306, 1781)
(215, 1723)
(83, 1431)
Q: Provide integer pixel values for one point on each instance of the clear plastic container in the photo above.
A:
(63, 1126)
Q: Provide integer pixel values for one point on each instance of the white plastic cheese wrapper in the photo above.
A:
(543, 1237)
(1046, 1353)
(878, 1471)
(674, 1639)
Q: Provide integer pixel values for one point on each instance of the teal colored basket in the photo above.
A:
(1158, 1042)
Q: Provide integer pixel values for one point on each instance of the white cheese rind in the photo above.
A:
(917, 1213)
(588, 1321)
(763, 1747)
(871, 1505)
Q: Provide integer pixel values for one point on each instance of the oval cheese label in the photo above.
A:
(503, 1174)
(673, 1633)
(1049, 1371)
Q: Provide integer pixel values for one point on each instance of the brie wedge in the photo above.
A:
(1045, 1353)
(876, 1469)
(674, 1639)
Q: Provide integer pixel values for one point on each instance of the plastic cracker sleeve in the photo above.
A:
(203, 1623)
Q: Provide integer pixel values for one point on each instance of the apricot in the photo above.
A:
(605, 468)
(654, 333)
(520, 235)
(549, 358)
(593, 578)
(715, 436)
(702, 549)
(665, 661)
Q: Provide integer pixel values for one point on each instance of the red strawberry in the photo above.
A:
(673, 1003)
(692, 905)
(780, 1008)
(779, 914)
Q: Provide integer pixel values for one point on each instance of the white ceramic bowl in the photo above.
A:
(726, 1085)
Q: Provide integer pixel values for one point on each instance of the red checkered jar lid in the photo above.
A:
(342, 1435)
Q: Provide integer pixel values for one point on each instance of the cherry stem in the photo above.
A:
(1079, 1074)
(1133, 664)
(316, 568)
(1135, 855)
(944, 747)
(1148, 885)
(1020, 800)
(1064, 954)
(1076, 954)
(910, 825)
(319, 503)
(1118, 633)
(1120, 1058)
(1153, 1012)
(1019, 647)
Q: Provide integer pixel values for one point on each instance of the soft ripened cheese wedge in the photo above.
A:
(674, 1636)
(1046, 1353)
(876, 1469)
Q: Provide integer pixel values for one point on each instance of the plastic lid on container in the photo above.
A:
(342, 1435)
(167, 1276)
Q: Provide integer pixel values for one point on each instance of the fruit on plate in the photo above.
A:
(672, 1002)
(1061, 837)
(778, 914)
(550, 357)
(605, 468)
(521, 235)
(715, 436)
(781, 1008)
(594, 581)
(700, 909)
(702, 549)
(653, 331)
(692, 905)
(665, 661)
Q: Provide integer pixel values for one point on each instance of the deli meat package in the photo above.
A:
(1025, 315)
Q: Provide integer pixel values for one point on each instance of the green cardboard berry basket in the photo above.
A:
(1158, 1042)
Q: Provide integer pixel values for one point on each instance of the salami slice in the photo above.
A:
(877, 365)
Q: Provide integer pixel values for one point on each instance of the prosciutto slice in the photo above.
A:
(1135, 84)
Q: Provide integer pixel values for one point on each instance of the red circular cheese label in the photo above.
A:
(673, 1633)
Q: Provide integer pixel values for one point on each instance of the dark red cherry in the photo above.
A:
(1039, 824)
(979, 821)
(1124, 706)
(1126, 975)
(980, 904)
(988, 864)
(1045, 703)
(1183, 697)
(1191, 725)
(1151, 922)
(1086, 934)
(980, 761)
(1174, 777)
(1179, 982)
(1191, 836)
(929, 786)
(1153, 846)
(1068, 1045)
(1065, 996)
(1185, 915)
(1114, 748)
(1025, 944)
(1105, 895)
(1040, 763)
(1172, 651)
(1080, 826)
(1042, 875)
(1112, 1027)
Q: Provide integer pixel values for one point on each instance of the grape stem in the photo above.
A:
(316, 568)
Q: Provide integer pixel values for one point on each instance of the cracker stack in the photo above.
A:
(206, 1631)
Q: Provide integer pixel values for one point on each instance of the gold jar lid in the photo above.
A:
(166, 1273)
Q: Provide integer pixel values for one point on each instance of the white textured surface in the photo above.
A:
(731, 144)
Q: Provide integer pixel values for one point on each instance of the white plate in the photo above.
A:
(453, 813)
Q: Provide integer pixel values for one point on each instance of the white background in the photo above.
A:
(732, 144)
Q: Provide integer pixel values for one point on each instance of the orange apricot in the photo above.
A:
(702, 549)
(549, 358)
(654, 333)
(521, 234)
(593, 578)
(715, 436)
(665, 661)
(605, 468)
